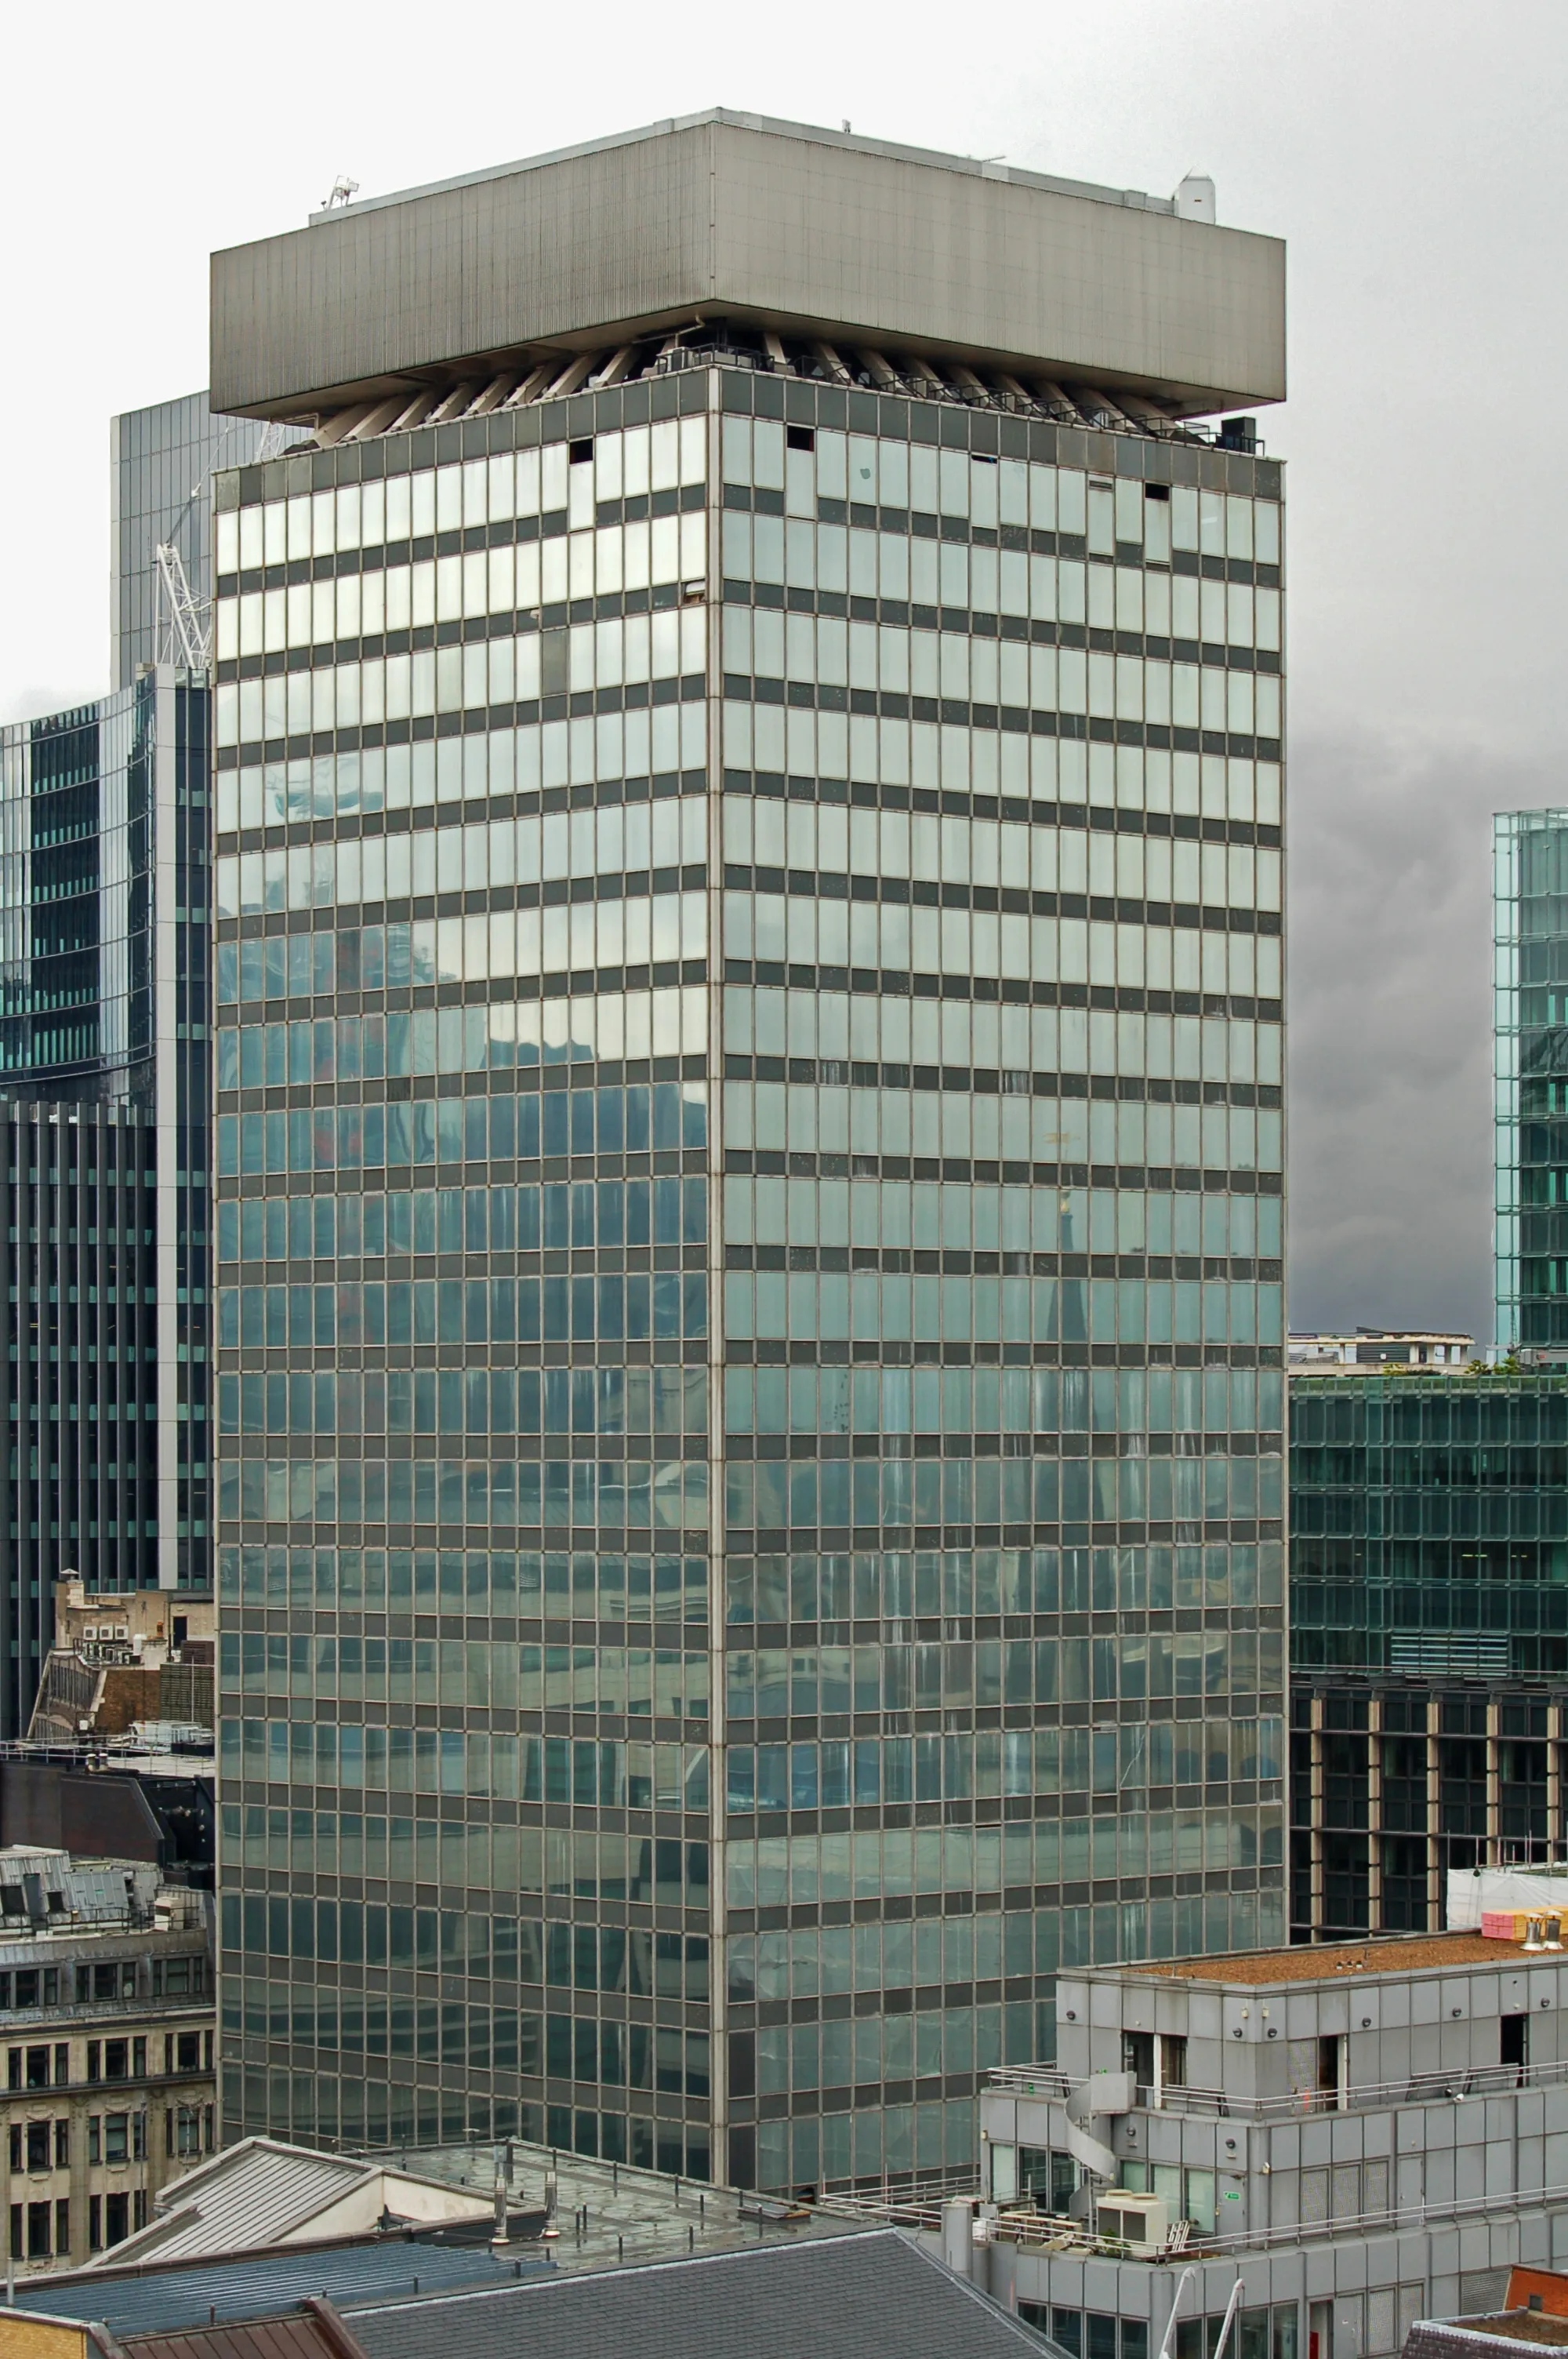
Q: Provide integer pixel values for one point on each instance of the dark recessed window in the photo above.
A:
(1156, 491)
(800, 438)
(581, 451)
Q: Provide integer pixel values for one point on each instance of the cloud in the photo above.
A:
(1390, 1012)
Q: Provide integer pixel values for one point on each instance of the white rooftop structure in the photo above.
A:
(265, 2192)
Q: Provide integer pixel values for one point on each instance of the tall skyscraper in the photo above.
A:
(1530, 1081)
(748, 778)
(104, 1100)
(161, 462)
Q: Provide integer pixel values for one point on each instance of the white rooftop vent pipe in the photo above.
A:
(1194, 199)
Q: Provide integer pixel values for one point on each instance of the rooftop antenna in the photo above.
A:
(344, 191)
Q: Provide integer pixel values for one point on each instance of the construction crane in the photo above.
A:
(184, 622)
(184, 626)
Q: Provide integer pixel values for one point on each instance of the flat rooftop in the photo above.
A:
(1329, 1962)
(779, 227)
(989, 167)
(608, 2214)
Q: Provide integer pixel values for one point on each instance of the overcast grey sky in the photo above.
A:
(1410, 155)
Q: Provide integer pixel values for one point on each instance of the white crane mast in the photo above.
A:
(184, 629)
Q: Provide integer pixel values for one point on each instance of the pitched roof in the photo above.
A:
(871, 2295)
(260, 2193)
(298, 2336)
(247, 2195)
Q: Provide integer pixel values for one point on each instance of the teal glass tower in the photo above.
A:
(1530, 1082)
(749, 1117)
(1429, 1636)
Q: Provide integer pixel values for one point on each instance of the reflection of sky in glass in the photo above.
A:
(1530, 1071)
(75, 934)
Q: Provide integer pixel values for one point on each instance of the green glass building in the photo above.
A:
(1530, 1081)
(1429, 1636)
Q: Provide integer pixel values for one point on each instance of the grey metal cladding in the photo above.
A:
(561, 252)
(782, 227)
(890, 247)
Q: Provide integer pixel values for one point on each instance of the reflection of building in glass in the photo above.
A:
(749, 1119)
(1429, 1636)
(103, 1099)
(1319, 1352)
(1530, 1042)
(162, 460)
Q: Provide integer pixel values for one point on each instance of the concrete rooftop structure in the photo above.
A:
(781, 225)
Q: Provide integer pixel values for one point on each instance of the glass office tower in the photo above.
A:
(1530, 1081)
(161, 462)
(750, 1310)
(1429, 1638)
(749, 1347)
(103, 1122)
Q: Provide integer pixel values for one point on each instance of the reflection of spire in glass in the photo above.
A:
(773, 883)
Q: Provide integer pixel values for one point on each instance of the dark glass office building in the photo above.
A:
(1429, 1638)
(748, 1132)
(105, 1104)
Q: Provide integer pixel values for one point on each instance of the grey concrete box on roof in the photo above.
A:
(1323, 2145)
(777, 223)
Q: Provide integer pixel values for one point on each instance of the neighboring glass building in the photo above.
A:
(1429, 1638)
(104, 1101)
(1530, 1082)
(161, 462)
(749, 1350)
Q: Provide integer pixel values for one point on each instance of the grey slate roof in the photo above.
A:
(1484, 2337)
(874, 2296)
(152, 2300)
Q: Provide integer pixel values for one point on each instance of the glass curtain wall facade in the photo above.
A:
(161, 462)
(750, 1354)
(104, 1097)
(1429, 1638)
(1530, 1081)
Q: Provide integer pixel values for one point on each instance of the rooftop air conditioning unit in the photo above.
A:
(1142, 2221)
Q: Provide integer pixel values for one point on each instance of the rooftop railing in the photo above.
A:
(1043, 2232)
(1411, 2088)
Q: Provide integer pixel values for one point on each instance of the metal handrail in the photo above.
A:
(1029, 2081)
(1397, 2216)
(1042, 2232)
(35, 2025)
(1412, 2088)
(917, 2204)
